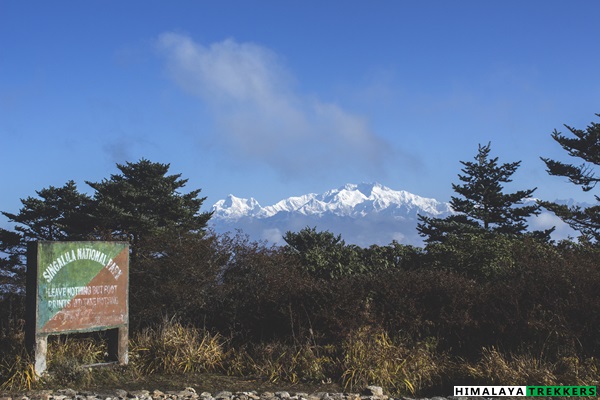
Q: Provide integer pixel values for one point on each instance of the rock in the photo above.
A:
(67, 392)
(374, 391)
(122, 394)
(187, 393)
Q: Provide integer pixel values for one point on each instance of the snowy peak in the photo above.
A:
(234, 207)
(291, 204)
(350, 200)
(365, 189)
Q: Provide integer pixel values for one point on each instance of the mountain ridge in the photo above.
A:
(364, 214)
(348, 200)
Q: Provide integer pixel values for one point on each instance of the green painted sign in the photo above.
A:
(77, 287)
(81, 286)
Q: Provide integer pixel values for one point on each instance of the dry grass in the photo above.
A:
(174, 348)
(17, 372)
(67, 355)
(84, 350)
(372, 357)
(369, 356)
(16, 366)
(278, 362)
(495, 368)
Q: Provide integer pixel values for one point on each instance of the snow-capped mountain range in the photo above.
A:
(364, 214)
(348, 201)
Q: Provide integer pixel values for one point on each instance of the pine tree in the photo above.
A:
(143, 201)
(483, 206)
(586, 146)
(58, 213)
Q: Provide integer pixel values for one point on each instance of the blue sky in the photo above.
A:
(278, 98)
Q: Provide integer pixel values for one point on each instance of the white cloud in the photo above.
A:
(261, 117)
(398, 237)
(547, 220)
(273, 235)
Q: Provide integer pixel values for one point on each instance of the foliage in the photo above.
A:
(173, 278)
(393, 256)
(140, 205)
(260, 294)
(511, 306)
(58, 213)
(143, 201)
(326, 256)
(586, 146)
(484, 206)
(323, 254)
(481, 256)
(533, 305)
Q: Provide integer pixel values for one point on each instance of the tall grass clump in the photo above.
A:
(372, 357)
(280, 362)
(16, 366)
(67, 356)
(65, 359)
(174, 348)
(496, 368)
(16, 372)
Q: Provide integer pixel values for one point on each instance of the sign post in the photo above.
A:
(77, 287)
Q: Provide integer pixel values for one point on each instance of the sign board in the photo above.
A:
(77, 287)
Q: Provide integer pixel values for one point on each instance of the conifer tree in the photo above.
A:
(483, 205)
(57, 213)
(144, 201)
(584, 145)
